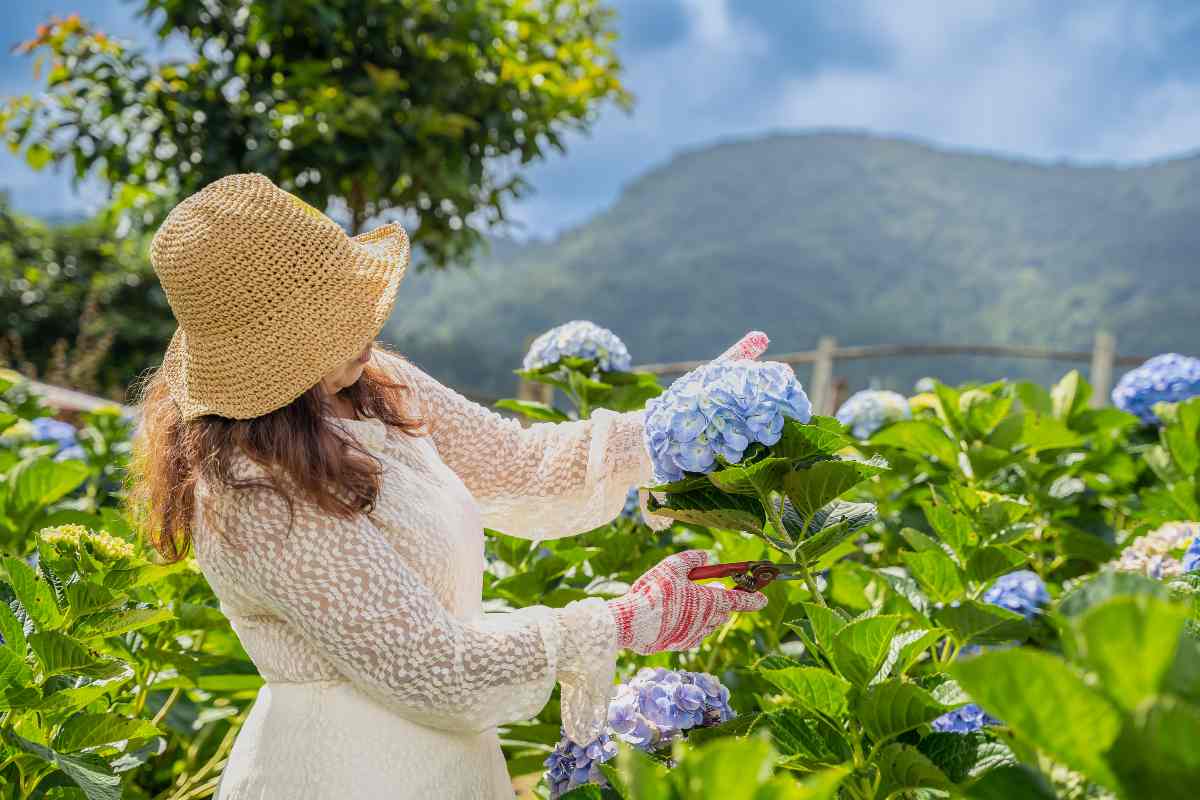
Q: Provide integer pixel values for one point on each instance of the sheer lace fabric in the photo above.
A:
(390, 602)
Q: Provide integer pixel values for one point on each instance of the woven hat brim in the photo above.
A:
(274, 360)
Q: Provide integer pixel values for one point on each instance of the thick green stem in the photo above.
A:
(776, 519)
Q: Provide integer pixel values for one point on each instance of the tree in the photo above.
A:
(431, 107)
(78, 306)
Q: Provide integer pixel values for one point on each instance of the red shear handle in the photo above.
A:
(749, 576)
(718, 570)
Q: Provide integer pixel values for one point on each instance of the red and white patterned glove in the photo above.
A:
(663, 610)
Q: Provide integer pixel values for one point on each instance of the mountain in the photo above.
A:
(868, 239)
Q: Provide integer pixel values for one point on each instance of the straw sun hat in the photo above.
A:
(269, 293)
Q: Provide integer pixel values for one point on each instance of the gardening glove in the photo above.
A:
(663, 610)
(750, 346)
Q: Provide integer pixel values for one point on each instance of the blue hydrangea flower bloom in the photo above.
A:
(1166, 378)
(658, 704)
(581, 339)
(1191, 559)
(570, 765)
(925, 385)
(718, 409)
(632, 509)
(869, 410)
(72, 452)
(967, 719)
(48, 429)
(1021, 591)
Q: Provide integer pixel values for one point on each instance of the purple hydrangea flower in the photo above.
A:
(1021, 591)
(869, 410)
(648, 712)
(967, 719)
(581, 339)
(658, 704)
(1191, 559)
(571, 765)
(717, 410)
(1166, 378)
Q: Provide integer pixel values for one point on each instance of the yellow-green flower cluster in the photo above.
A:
(102, 546)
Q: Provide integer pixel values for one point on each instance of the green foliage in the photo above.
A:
(119, 677)
(80, 306)
(380, 105)
(1114, 707)
(1023, 254)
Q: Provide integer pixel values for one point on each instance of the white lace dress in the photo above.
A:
(384, 678)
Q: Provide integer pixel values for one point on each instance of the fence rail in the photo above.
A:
(1102, 357)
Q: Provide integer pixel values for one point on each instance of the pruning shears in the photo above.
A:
(749, 576)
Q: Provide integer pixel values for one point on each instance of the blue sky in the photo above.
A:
(1100, 80)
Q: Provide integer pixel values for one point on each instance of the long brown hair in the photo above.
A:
(295, 445)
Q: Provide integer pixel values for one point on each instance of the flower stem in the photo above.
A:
(776, 520)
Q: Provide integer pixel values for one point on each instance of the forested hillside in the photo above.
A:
(869, 239)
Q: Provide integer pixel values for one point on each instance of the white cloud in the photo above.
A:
(1004, 78)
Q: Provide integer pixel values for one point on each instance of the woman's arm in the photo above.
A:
(348, 592)
(545, 481)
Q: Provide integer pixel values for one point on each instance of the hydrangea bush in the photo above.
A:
(1167, 378)
(867, 411)
(1164, 553)
(658, 705)
(590, 365)
(571, 765)
(1022, 591)
(579, 339)
(967, 719)
(717, 411)
(63, 434)
(649, 712)
(735, 445)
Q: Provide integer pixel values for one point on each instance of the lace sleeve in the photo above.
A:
(542, 482)
(347, 591)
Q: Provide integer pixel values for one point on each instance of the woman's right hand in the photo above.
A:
(663, 610)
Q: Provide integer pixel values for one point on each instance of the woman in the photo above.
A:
(336, 496)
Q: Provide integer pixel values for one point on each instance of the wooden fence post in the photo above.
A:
(1104, 352)
(822, 376)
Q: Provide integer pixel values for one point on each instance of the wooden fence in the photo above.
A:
(1102, 357)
